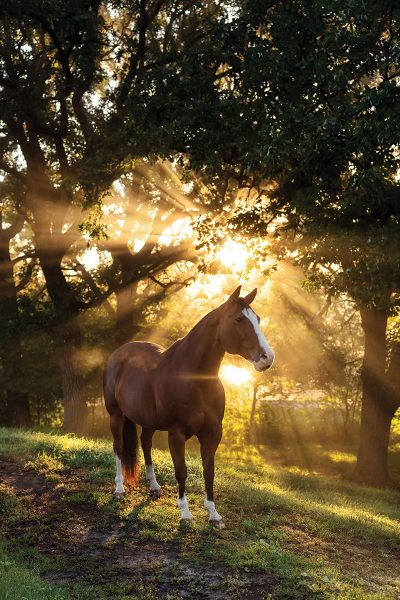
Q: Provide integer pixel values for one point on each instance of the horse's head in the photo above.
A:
(240, 333)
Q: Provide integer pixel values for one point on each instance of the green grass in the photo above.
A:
(17, 582)
(20, 583)
(297, 531)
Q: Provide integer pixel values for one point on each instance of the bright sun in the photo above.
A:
(233, 255)
(90, 258)
(235, 375)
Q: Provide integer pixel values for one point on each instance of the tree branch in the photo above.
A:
(158, 261)
(6, 234)
(88, 279)
(143, 24)
(12, 171)
(26, 276)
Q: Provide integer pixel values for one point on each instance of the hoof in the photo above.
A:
(217, 524)
(155, 494)
(185, 524)
(119, 495)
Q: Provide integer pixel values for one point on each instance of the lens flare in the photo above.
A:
(235, 375)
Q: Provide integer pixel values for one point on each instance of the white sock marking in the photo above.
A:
(183, 505)
(213, 515)
(151, 478)
(266, 348)
(119, 480)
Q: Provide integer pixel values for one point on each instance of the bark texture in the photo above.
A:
(73, 385)
(379, 401)
(15, 411)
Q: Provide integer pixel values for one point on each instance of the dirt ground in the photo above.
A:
(96, 548)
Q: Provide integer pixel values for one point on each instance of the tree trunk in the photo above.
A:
(73, 385)
(69, 338)
(17, 410)
(252, 436)
(377, 410)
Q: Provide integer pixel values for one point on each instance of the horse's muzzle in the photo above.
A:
(264, 363)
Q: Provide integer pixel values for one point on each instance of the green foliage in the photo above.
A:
(68, 50)
(290, 422)
(31, 368)
(237, 414)
(310, 101)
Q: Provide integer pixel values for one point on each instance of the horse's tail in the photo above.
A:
(129, 455)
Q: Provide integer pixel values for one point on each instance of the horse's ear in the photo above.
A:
(250, 297)
(235, 294)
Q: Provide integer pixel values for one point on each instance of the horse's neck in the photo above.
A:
(200, 351)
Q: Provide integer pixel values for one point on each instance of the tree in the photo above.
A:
(309, 117)
(77, 109)
(16, 409)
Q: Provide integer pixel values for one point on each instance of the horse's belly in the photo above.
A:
(136, 399)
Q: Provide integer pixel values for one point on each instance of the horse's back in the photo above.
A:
(127, 380)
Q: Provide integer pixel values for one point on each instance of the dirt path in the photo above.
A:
(92, 547)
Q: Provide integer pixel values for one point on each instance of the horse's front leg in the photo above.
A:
(176, 441)
(208, 444)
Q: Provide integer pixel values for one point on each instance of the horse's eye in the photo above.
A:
(238, 319)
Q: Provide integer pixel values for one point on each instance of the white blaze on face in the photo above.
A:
(268, 358)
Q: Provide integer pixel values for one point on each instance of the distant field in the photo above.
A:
(294, 529)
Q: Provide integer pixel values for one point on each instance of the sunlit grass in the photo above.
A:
(72, 450)
(336, 456)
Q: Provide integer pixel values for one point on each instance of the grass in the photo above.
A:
(295, 528)
(18, 583)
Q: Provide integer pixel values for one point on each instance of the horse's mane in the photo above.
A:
(193, 331)
(176, 343)
(203, 321)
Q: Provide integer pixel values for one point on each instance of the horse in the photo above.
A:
(178, 390)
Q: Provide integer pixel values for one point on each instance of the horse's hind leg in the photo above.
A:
(176, 441)
(146, 440)
(117, 425)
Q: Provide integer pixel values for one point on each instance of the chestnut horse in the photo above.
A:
(178, 390)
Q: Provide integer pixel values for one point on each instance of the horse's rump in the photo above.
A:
(128, 381)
